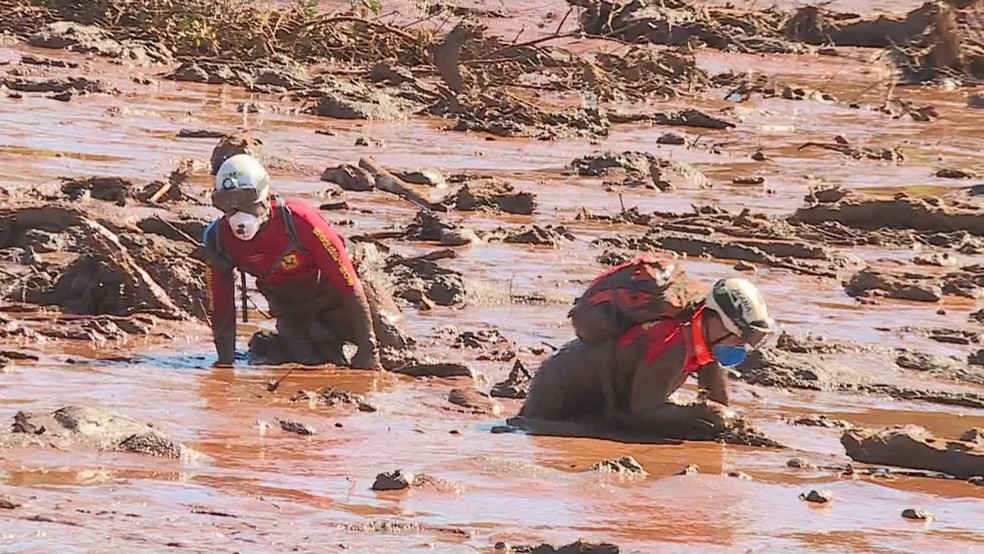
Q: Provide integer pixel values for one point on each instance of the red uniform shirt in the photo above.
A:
(667, 333)
(273, 259)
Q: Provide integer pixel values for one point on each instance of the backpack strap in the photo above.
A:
(213, 244)
(288, 217)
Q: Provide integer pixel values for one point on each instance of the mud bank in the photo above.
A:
(914, 447)
(840, 367)
(89, 428)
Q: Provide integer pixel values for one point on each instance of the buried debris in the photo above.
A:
(441, 370)
(517, 385)
(912, 446)
(471, 401)
(428, 226)
(578, 547)
(332, 396)
(292, 426)
(689, 469)
(905, 286)
(842, 146)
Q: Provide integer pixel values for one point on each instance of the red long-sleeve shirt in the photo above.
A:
(325, 264)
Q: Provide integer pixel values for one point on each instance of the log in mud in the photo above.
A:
(484, 164)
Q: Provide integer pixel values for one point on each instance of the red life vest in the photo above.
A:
(659, 335)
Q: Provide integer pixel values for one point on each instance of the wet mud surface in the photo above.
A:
(485, 161)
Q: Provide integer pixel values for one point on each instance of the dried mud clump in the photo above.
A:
(578, 547)
(914, 447)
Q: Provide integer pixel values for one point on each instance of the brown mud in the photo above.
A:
(484, 163)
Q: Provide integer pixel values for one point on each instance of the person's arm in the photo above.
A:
(220, 286)
(713, 379)
(328, 252)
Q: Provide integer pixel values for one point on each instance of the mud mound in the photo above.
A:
(428, 226)
(638, 167)
(275, 74)
(680, 22)
(914, 447)
(903, 286)
(832, 373)
(242, 143)
(504, 114)
(949, 45)
(88, 39)
(491, 194)
(119, 273)
(926, 214)
(89, 427)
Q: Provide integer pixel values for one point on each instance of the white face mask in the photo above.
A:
(244, 225)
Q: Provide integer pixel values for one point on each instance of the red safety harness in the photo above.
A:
(659, 334)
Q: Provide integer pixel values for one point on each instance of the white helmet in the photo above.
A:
(742, 309)
(243, 171)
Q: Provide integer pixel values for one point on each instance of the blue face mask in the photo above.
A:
(728, 355)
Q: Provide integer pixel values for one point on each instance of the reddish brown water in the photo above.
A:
(291, 493)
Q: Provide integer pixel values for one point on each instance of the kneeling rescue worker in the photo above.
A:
(642, 331)
(300, 266)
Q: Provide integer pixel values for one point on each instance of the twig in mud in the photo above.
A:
(550, 346)
(272, 386)
(184, 235)
(564, 20)
(533, 42)
(622, 203)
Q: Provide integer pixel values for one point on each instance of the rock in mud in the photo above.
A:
(516, 386)
(492, 195)
(664, 174)
(440, 370)
(692, 118)
(976, 100)
(90, 427)
(912, 446)
(820, 420)
(954, 173)
(428, 226)
(903, 286)
(471, 400)
(578, 547)
(817, 497)
(297, 427)
(8, 503)
(394, 481)
(674, 139)
(919, 515)
(624, 465)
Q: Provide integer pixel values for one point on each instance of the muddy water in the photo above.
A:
(258, 489)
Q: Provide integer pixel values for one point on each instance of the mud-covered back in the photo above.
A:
(648, 288)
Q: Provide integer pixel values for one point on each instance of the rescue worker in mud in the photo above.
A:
(300, 266)
(626, 382)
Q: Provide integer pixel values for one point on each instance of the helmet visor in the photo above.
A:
(756, 332)
(237, 200)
